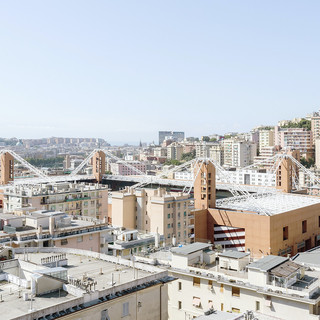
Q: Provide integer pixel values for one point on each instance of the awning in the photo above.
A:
(196, 302)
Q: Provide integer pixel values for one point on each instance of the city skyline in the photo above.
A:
(124, 72)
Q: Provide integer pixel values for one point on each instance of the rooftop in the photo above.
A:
(108, 273)
(267, 263)
(234, 254)
(190, 248)
(271, 204)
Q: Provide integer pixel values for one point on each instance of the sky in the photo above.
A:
(123, 70)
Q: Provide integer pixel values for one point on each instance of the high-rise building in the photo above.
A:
(238, 153)
(175, 135)
(174, 151)
(266, 139)
(295, 138)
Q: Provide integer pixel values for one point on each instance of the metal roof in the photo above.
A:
(190, 248)
(234, 254)
(267, 263)
(272, 204)
(286, 269)
(311, 257)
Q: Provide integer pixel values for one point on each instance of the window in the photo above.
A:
(178, 214)
(178, 205)
(64, 242)
(168, 206)
(221, 308)
(196, 302)
(169, 225)
(185, 214)
(221, 287)
(257, 305)
(285, 233)
(80, 239)
(179, 285)
(168, 215)
(236, 310)
(209, 284)
(304, 226)
(196, 282)
(319, 222)
(125, 309)
(179, 305)
(179, 225)
(235, 292)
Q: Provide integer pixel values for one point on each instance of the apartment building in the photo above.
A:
(119, 168)
(266, 139)
(173, 135)
(203, 148)
(70, 284)
(315, 126)
(271, 287)
(44, 228)
(160, 152)
(153, 210)
(216, 153)
(174, 151)
(295, 138)
(238, 153)
(79, 199)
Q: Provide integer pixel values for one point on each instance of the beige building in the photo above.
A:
(153, 210)
(73, 198)
(174, 151)
(216, 153)
(266, 139)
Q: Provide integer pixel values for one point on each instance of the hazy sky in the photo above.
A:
(122, 70)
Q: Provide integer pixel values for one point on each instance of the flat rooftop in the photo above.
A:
(271, 204)
(100, 271)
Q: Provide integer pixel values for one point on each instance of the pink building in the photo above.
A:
(295, 138)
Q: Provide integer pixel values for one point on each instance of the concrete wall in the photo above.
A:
(89, 242)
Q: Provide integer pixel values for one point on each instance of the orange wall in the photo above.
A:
(293, 219)
(257, 228)
(200, 225)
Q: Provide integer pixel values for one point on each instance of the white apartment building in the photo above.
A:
(266, 139)
(238, 153)
(251, 177)
(273, 286)
(203, 148)
(73, 198)
(216, 153)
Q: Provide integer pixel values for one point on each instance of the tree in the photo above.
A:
(205, 138)
(188, 156)
(172, 163)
